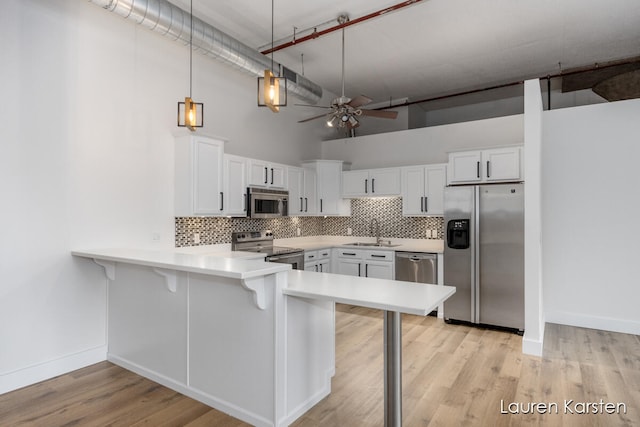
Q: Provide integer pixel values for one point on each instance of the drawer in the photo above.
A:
(324, 253)
(350, 253)
(310, 256)
(379, 255)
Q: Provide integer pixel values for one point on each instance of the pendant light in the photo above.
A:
(272, 90)
(190, 114)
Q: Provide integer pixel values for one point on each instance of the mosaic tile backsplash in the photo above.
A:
(388, 212)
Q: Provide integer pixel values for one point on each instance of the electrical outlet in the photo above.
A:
(196, 238)
(298, 232)
(349, 231)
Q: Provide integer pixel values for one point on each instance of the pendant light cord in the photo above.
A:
(271, 34)
(191, 49)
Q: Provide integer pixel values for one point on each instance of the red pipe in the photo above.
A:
(317, 34)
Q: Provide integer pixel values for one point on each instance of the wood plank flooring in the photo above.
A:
(453, 376)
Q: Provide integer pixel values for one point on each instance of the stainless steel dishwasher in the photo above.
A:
(417, 267)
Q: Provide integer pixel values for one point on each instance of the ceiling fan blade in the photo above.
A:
(359, 100)
(382, 114)
(314, 106)
(311, 118)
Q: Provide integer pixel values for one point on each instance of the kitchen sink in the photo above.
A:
(378, 245)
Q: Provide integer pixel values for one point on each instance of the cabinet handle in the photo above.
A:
(422, 204)
(426, 204)
(359, 265)
(378, 256)
(320, 205)
(306, 204)
(221, 201)
(373, 185)
(349, 253)
(366, 187)
(316, 268)
(320, 265)
(488, 174)
(311, 256)
(246, 201)
(301, 205)
(271, 176)
(478, 169)
(266, 174)
(366, 270)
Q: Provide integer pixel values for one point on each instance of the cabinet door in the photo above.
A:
(502, 164)
(235, 185)
(349, 267)
(296, 190)
(207, 177)
(413, 191)
(311, 266)
(465, 167)
(324, 266)
(276, 176)
(330, 201)
(379, 270)
(258, 173)
(384, 182)
(310, 192)
(355, 183)
(435, 181)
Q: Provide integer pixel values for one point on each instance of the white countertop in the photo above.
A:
(391, 295)
(237, 265)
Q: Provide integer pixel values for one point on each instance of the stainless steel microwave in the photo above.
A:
(267, 203)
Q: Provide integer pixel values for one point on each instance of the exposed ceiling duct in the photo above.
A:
(165, 18)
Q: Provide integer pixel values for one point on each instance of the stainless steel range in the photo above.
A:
(262, 242)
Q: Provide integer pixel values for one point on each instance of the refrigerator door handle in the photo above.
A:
(475, 258)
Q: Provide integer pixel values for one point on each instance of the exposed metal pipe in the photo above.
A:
(340, 26)
(165, 18)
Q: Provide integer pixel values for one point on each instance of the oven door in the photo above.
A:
(296, 260)
(267, 206)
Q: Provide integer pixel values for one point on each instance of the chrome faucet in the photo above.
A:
(377, 229)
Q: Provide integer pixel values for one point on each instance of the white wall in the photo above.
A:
(590, 207)
(86, 160)
(424, 145)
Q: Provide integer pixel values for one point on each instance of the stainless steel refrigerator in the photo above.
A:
(484, 254)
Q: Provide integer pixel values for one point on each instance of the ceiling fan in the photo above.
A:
(345, 110)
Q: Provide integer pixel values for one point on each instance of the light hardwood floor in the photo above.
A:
(453, 376)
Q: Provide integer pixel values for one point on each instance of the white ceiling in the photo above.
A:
(435, 47)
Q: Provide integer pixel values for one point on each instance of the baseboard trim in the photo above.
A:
(33, 374)
(593, 322)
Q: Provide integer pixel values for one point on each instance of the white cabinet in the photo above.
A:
(198, 176)
(318, 261)
(492, 165)
(302, 191)
(371, 182)
(234, 200)
(366, 263)
(328, 197)
(268, 175)
(423, 190)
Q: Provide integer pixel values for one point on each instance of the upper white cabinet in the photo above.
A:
(234, 198)
(198, 176)
(493, 165)
(371, 182)
(265, 174)
(302, 191)
(423, 190)
(329, 187)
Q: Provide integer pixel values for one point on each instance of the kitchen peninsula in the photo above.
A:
(252, 339)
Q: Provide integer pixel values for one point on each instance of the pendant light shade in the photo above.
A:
(190, 114)
(272, 90)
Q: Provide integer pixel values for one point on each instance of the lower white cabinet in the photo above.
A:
(319, 261)
(366, 263)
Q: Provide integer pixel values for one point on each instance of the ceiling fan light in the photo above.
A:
(353, 121)
(332, 121)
